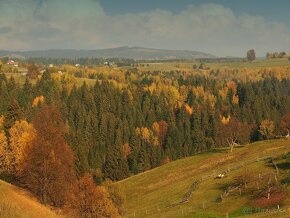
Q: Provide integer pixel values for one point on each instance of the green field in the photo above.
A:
(188, 65)
(151, 194)
(259, 63)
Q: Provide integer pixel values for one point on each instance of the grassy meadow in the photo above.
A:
(18, 203)
(188, 65)
(153, 193)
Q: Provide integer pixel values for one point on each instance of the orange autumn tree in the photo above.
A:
(48, 169)
(163, 129)
(90, 200)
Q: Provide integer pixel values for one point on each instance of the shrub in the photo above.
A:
(275, 199)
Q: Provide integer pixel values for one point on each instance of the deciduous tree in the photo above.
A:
(3, 148)
(90, 200)
(267, 128)
(251, 55)
(48, 169)
(32, 71)
(21, 136)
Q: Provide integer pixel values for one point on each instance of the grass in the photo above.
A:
(188, 65)
(15, 202)
(261, 63)
(150, 194)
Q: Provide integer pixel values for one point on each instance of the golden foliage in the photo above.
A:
(149, 136)
(198, 91)
(225, 120)
(145, 134)
(223, 93)
(169, 90)
(21, 136)
(233, 86)
(188, 109)
(137, 131)
(3, 147)
(183, 93)
(156, 132)
(126, 149)
(37, 101)
(3, 152)
(267, 128)
(1, 122)
(235, 99)
(155, 141)
(155, 128)
(205, 96)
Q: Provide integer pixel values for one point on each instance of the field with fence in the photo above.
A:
(190, 187)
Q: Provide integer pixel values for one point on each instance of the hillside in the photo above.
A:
(16, 202)
(159, 192)
(121, 52)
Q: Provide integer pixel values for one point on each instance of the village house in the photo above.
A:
(12, 63)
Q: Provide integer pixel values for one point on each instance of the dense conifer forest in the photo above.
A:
(136, 121)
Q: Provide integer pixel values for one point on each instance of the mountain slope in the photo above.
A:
(16, 202)
(121, 52)
(159, 192)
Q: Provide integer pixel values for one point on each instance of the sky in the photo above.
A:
(219, 27)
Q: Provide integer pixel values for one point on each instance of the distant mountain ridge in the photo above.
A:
(136, 53)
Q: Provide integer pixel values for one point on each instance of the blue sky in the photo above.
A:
(220, 27)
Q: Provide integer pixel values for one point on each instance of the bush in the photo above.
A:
(275, 199)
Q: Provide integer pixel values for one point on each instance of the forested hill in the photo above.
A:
(121, 52)
(118, 129)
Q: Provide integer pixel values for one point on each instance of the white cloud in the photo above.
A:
(84, 24)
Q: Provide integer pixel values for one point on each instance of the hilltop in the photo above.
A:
(120, 52)
(16, 202)
(188, 187)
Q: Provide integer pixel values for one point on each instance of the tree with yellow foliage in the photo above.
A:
(37, 100)
(3, 148)
(21, 136)
(267, 128)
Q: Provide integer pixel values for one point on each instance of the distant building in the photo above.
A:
(107, 63)
(50, 66)
(77, 65)
(12, 63)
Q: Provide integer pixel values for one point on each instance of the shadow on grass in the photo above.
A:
(286, 181)
(284, 166)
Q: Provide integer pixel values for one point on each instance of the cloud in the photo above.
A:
(43, 24)
(5, 29)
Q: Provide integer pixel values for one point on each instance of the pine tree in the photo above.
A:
(115, 166)
(14, 113)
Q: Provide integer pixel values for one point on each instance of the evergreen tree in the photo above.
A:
(115, 166)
